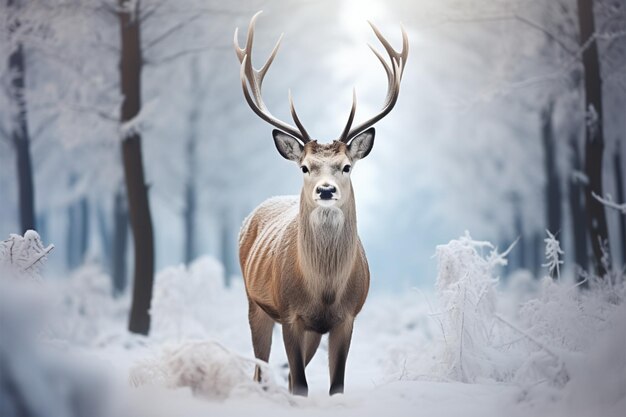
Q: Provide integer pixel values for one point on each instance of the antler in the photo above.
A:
(254, 79)
(394, 76)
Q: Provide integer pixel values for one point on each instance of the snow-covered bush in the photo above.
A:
(185, 299)
(562, 338)
(207, 368)
(90, 313)
(466, 289)
(23, 256)
(38, 378)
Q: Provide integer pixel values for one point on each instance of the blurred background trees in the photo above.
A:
(510, 117)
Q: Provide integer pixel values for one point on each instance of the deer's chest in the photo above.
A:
(322, 312)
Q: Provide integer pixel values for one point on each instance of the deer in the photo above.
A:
(303, 264)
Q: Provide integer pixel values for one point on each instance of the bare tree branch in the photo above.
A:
(608, 202)
(39, 130)
(519, 18)
(171, 31)
(190, 51)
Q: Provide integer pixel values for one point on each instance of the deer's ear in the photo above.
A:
(287, 145)
(361, 145)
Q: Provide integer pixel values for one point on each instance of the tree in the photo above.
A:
(619, 186)
(120, 241)
(594, 134)
(191, 148)
(136, 188)
(553, 184)
(578, 214)
(19, 125)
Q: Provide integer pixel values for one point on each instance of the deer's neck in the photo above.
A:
(327, 243)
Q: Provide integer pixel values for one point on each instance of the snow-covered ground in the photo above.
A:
(467, 347)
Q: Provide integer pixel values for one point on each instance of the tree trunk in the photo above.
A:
(105, 235)
(536, 252)
(553, 185)
(119, 242)
(190, 221)
(520, 250)
(19, 131)
(77, 233)
(594, 135)
(190, 185)
(227, 246)
(619, 195)
(137, 191)
(191, 200)
(577, 210)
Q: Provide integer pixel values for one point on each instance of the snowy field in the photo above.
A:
(468, 347)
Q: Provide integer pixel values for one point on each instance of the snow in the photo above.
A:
(472, 347)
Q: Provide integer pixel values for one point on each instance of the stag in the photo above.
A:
(303, 263)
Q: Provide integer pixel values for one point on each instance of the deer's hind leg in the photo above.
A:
(261, 327)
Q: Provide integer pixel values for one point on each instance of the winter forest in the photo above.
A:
(491, 209)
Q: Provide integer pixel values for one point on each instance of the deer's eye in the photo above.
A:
(305, 170)
(347, 168)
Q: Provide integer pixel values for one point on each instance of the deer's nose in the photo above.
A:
(326, 191)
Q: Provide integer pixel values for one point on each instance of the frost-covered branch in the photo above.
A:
(608, 202)
(184, 52)
(521, 19)
(24, 255)
(553, 255)
(171, 31)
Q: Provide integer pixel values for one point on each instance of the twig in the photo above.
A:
(531, 338)
(608, 202)
(45, 252)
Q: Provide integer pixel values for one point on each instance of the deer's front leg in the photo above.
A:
(293, 336)
(338, 347)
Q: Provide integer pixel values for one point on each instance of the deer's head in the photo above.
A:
(326, 167)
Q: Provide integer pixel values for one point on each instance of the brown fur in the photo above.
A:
(305, 268)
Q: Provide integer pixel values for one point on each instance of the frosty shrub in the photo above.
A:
(23, 256)
(184, 299)
(207, 368)
(38, 378)
(553, 255)
(466, 290)
(562, 337)
(90, 312)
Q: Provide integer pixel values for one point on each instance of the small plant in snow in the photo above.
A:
(466, 289)
(207, 368)
(24, 255)
(553, 255)
(184, 297)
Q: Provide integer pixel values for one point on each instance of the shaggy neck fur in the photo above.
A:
(327, 244)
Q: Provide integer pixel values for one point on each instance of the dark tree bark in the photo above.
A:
(19, 130)
(619, 195)
(553, 185)
(191, 201)
(536, 253)
(189, 215)
(578, 214)
(105, 235)
(78, 233)
(228, 247)
(119, 242)
(594, 135)
(519, 252)
(137, 191)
